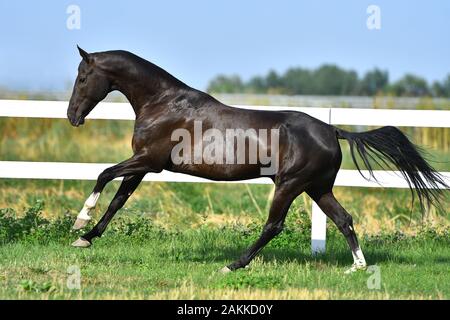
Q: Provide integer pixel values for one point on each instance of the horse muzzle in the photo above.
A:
(76, 121)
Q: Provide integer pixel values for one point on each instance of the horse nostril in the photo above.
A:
(72, 113)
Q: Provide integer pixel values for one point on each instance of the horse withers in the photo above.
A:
(305, 150)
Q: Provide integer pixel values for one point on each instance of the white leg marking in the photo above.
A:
(81, 243)
(358, 258)
(89, 205)
(359, 262)
(225, 270)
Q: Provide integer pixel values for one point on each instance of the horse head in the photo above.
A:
(91, 86)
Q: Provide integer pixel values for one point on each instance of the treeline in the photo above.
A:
(330, 80)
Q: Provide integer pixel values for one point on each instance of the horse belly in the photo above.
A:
(220, 172)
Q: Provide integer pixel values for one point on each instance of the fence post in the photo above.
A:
(318, 229)
(319, 219)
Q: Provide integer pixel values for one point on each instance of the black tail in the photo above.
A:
(388, 145)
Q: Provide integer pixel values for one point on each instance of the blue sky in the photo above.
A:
(198, 39)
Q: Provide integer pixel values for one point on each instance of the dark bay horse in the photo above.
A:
(308, 154)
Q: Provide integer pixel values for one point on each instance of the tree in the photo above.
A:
(226, 84)
(256, 85)
(273, 80)
(438, 90)
(446, 86)
(441, 89)
(298, 81)
(373, 82)
(411, 86)
(332, 80)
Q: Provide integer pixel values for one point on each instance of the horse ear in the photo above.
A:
(83, 54)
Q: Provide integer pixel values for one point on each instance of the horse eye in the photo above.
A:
(82, 80)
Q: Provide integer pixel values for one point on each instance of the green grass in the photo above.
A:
(137, 259)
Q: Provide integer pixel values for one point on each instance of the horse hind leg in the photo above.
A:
(283, 198)
(344, 221)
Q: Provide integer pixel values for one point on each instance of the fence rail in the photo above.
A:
(123, 111)
(90, 171)
(332, 101)
(335, 116)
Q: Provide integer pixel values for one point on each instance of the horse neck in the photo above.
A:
(145, 92)
(135, 94)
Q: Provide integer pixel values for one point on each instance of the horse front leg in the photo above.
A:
(128, 186)
(84, 216)
(133, 166)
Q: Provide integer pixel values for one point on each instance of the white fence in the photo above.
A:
(123, 111)
(328, 101)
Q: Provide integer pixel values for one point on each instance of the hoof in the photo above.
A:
(354, 268)
(80, 224)
(81, 243)
(225, 270)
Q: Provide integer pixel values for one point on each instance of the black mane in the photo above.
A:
(130, 62)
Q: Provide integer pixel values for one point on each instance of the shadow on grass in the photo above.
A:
(335, 256)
